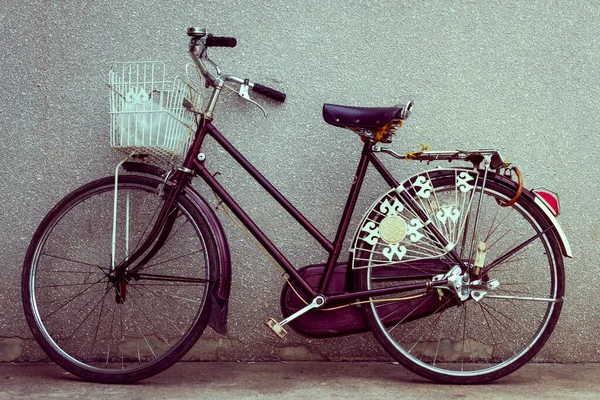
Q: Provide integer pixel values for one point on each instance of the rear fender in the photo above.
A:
(560, 234)
(219, 294)
(507, 182)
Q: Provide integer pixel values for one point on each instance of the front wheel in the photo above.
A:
(509, 306)
(118, 330)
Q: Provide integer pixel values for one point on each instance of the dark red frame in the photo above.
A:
(194, 165)
(332, 248)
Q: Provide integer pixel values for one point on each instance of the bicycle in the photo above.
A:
(457, 271)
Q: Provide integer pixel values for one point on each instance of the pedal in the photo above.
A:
(277, 329)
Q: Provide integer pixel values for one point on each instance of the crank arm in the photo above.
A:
(277, 327)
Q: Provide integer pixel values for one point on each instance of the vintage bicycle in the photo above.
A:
(457, 271)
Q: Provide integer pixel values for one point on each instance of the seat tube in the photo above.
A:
(346, 215)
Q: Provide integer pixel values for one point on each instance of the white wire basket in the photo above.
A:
(147, 117)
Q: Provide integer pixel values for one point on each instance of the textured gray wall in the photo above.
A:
(519, 76)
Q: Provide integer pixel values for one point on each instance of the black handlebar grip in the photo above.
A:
(267, 91)
(220, 41)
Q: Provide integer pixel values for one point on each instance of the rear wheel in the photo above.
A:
(117, 330)
(508, 309)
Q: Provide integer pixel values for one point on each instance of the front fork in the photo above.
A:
(120, 274)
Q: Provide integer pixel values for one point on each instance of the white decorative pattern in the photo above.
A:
(412, 231)
(395, 231)
(394, 250)
(391, 209)
(373, 230)
(136, 98)
(461, 182)
(448, 212)
(424, 185)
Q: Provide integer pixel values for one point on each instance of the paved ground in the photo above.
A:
(300, 381)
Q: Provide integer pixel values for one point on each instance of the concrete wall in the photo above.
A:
(518, 76)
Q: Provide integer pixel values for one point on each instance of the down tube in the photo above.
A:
(252, 227)
(281, 199)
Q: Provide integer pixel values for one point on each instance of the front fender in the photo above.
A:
(219, 296)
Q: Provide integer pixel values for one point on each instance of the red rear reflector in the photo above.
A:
(550, 199)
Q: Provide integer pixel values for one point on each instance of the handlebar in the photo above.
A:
(200, 40)
(220, 41)
(267, 91)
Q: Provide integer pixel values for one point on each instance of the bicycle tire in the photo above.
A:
(102, 331)
(432, 333)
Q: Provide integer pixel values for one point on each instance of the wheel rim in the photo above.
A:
(74, 304)
(501, 331)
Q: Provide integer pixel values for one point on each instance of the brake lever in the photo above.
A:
(246, 96)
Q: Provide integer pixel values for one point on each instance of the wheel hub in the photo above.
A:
(120, 286)
(462, 287)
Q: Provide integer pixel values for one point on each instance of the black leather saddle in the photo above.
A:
(360, 117)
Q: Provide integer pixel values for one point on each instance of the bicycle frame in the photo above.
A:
(194, 165)
(457, 271)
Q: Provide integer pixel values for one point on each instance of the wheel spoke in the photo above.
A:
(74, 298)
(464, 341)
(103, 269)
(522, 298)
(90, 320)
(170, 260)
(515, 250)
